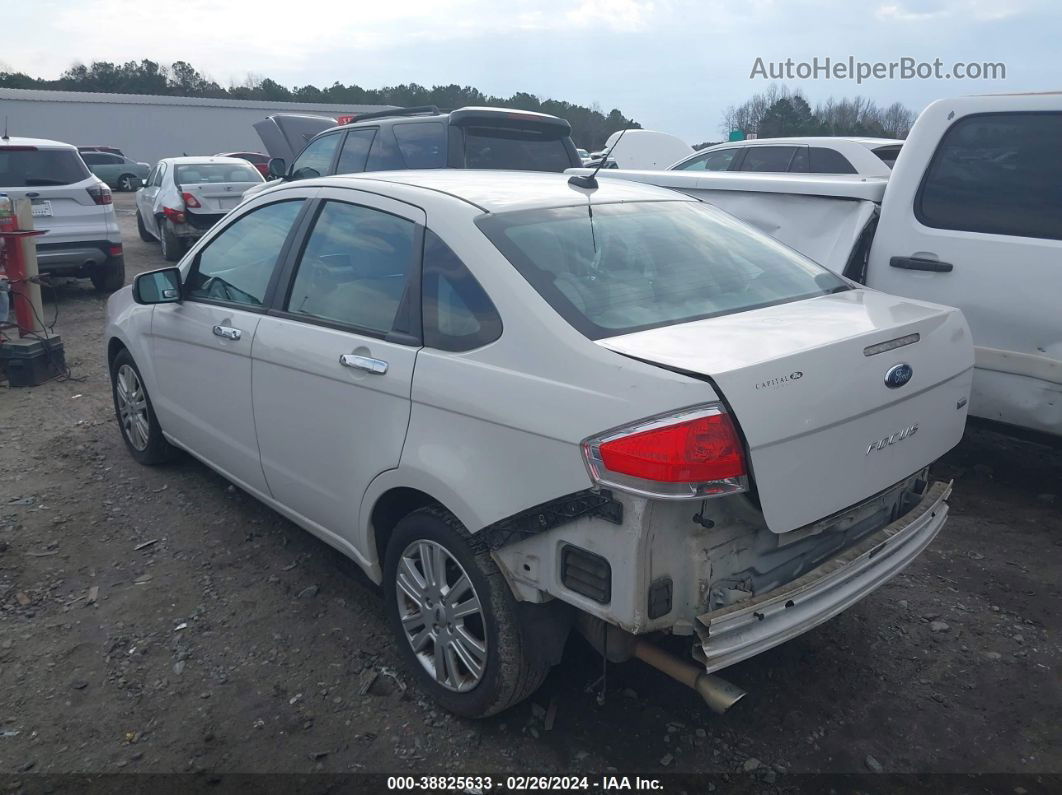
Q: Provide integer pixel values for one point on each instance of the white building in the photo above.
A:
(148, 127)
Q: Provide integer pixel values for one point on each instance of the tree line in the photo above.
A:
(780, 112)
(590, 126)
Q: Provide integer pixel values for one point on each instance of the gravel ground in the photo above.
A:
(160, 620)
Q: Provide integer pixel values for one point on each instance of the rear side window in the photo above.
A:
(768, 158)
(423, 145)
(316, 158)
(236, 266)
(711, 161)
(38, 168)
(640, 265)
(354, 268)
(384, 155)
(829, 161)
(355, 151)
(997, 173)
(513, 148)
(457, 313)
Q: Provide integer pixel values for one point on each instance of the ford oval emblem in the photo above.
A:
(898, 375)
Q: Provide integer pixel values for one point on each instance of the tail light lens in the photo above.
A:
(177, 216)
(692, 454)
(190, 200)
(100, 194)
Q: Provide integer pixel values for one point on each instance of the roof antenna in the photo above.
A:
(589, 181)
(5, 136)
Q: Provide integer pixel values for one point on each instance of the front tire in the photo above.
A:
(145, 235)
(455, 619)
(140, 427)
(171, 244)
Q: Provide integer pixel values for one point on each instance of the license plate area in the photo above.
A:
(41, 209)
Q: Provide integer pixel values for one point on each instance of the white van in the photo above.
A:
(971, 216)
(646, 149)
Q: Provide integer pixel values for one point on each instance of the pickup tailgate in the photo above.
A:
(806, 382)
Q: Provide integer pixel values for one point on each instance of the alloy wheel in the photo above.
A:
(132, 407)
(441, 614)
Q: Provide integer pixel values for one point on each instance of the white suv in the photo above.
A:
(524, 406)
(71, 204)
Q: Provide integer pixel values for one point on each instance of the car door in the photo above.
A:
(972, 217)
(333, 360)
(202, 346)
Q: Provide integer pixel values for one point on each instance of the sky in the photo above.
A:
(671, 65)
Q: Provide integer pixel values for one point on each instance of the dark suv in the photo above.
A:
(423, 137)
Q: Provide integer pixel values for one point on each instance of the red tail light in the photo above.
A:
(177, 216)
(100, 194)
(116, 250)
(190, 200)
(688, 455)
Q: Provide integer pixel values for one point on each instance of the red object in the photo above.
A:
(14, 265)
(177, 216)
(100, 194)
(346, 119)
(696, 451)
(116, 251)
(190, 200)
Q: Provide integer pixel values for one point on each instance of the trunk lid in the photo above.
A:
(824, 430)
(285, 134)
(216, 197)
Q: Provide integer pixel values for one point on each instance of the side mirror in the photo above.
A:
(278, 167)
(158, 287)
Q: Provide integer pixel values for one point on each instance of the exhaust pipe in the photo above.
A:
(719, 694)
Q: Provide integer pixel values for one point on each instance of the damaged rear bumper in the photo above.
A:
(734, 633)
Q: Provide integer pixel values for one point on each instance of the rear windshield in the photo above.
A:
(642, 265)
(29, 168)
(515, 149)
(215, 172)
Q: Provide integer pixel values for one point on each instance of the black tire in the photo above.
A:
(172, 248)
(145, 235)
(157, 450)
(513, 669)
(109, 276)
(127, 183)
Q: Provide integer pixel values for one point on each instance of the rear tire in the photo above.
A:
(109, 276)
(511, 668)
(171, 244)
(145, 235)
(137, 422)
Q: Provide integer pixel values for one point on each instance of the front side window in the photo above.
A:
(457, 313)
(997, 173)
(641, 265)
(316, 158)
(354, 268)
(423, 144)
(355, 150)
(710, 161)
(236, 266)
(768, 158)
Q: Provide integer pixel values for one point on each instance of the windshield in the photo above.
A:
(206, 173)
(29, 168)
(641, 265)
(515, 149)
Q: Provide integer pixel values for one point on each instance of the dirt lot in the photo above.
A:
(159, 620)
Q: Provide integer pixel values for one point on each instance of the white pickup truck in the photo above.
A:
(971, 216)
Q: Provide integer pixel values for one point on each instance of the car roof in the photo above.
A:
(203, 159)
(811, 139)
(40, 143)
(502, 191)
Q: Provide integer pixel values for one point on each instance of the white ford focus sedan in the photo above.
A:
(526, 407)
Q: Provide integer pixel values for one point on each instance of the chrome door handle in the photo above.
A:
(227, 332)
(374, 366)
